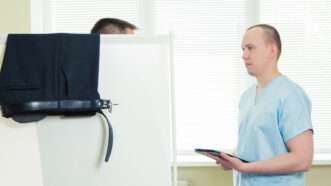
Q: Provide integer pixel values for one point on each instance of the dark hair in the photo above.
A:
(272, 35)
(118, 23)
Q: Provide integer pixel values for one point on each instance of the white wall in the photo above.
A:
(14, 16)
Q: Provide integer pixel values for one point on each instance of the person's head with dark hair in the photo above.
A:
(261, 46)
(113, 26)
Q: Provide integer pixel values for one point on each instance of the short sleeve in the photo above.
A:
(295, 114)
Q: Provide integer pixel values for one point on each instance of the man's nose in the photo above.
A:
(244, 54)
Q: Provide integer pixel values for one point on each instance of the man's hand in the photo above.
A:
(227, 162)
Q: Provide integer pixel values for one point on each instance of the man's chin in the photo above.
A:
(251, 73)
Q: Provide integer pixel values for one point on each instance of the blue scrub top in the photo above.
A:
(266, 123)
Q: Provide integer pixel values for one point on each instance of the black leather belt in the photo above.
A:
(66, 107)
(63, 107)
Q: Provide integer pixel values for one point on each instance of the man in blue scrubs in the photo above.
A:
(275, 129)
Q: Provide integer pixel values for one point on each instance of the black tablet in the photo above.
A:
(215, 153)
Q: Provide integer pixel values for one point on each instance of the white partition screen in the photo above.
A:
(134, 73)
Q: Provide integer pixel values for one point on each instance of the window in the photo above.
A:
(305, 32)
(78, 16)
(208, 69)
(209, 75)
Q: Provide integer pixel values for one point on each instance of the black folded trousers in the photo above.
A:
(51, 74)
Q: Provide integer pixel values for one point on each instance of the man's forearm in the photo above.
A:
(286, 163)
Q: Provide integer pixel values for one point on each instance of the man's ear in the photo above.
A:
(274, 51)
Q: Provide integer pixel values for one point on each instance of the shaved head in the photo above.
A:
(271, 35)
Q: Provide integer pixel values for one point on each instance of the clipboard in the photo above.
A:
(216, 153)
